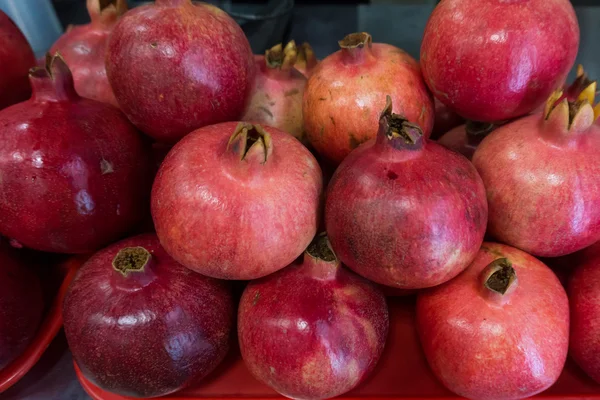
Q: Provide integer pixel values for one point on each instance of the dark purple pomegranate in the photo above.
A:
(140, 324)
(76, 174)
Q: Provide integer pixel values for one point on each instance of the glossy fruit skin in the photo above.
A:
(233, 218)
(346, 93)
(175, 67)
(524, 161)
(477, 55)
(584, 296)
(149, 333)
(322, 340)
(487, 348)
(84, 48)
(406, 218)
(16, 57)
(277, 99)
(21, 305)
(76, 175)
(445, 120)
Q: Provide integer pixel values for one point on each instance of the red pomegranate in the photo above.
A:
(278, 89)
(493, 60)
(498, 331)
(525, 161)
(405, 212)
(464, 139)
(346, 92)
(237, 201)
(21, 305)
(140, 324)
(75, 173)
(324, 338)
(84, 48)
(176, 66)
(445, 120)
(584, 295)
(306, 61)
(16, 57)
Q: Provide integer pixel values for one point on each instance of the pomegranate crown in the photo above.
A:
(320, 248)
(306, 55)
(106, 11)
(397, 130)
(574, 109)
(54, 81)
(283, 58)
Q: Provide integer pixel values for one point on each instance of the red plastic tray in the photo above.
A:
(402, 373)
(48, 330)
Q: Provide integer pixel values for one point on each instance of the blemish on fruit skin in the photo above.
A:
(291, 92)
(266, 111)
(106, 167)
(256, 298)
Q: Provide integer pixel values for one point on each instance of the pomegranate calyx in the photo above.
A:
(131, 259)
(306, 56)
(356, 47)
(106, 12)
(320, 248)
(398, 131)
(278, 57)
(54, 81)
(250, 142)
(500, 276)
(570, 116)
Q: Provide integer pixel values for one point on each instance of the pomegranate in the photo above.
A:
(405, 212)
(16, 57)
(306, 61)
(500, 330)
(445, 120)
(493, 60)
(327, 335)
(464, 139)
(236, 200)
(75, 173)
(584, 295)
(277, 95)
(347, 90)
(175, 66)
(21, 305)
(140, 324)
(525, 161)
(84, 48)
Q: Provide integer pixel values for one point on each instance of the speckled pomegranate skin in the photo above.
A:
(483, 348)
(233, 218)
(16, 57)
(76, 175)
(409, 218)
(345, 95)
(150, 333)
(277, 99)
(21, 305)
(313, 330)
(492, 60)
(175, 67)
(84, 48)
(543, 186)
(584, 296)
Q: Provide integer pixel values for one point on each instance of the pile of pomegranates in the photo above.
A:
(347, 196)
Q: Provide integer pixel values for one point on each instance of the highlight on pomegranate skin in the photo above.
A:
(346, 93)
(324, 338)
(405, 212)
(140, 324)
(498, 331)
